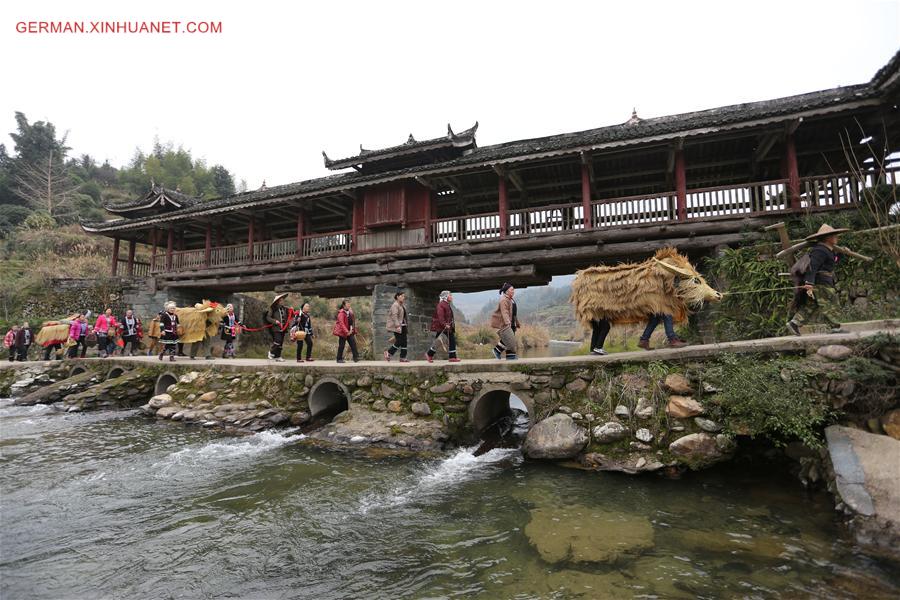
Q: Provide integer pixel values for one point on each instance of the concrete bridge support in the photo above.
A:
(420, 305)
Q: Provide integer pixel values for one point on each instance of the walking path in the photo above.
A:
(856, 331)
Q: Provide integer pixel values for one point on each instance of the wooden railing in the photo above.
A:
(634, 210)
(836, 191)
(816, 193)
(748, 198)
(562, 217)
(338, 242)
(472, 227)
(139, 268)
(227, 255)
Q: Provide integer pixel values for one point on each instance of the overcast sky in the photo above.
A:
(285, 81)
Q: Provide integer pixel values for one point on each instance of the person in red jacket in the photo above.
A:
(9, 341)
(442, 323)
(345, 330)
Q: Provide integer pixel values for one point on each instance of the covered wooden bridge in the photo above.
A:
(446, 213)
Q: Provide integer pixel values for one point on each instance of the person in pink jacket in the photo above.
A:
(105, 328)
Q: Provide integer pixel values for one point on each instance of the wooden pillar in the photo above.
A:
(207, 252)
(301, 226)
(429, 216)
(250, 241)
(153, 236)
(170, 246)
(586, 197)
(220, 235)
(503, 205)
(115, 257)
(181, 241)
(132, 246)
(792, 172)
(680, 186)
(358, 208)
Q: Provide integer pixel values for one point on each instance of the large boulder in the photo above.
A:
(160, 400)
(555, 437)
(700, 449)
(683, 407)
(581, 534)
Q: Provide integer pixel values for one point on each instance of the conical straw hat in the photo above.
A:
(824, 231)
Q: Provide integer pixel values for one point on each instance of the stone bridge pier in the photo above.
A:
(420, 305)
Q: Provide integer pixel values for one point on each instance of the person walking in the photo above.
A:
(303, 323)
(102, 329)
(9, 342)
(153, 332)
(168, 325)
(599, 331)
(816, 297)
(277, 317)
(505, 321)
(398, 324)
(443, 323)
(204, 344)
(229, 328)
(132, 332)
(652, 323)
(78, 336)
(345, 330)
(24, 339)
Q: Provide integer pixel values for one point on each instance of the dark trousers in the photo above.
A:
(599, 331)
(653, 322)
(23, 353)
(228, 350)
(52, 349)
(277, 341)
(102, 344)
(451, 343)
(80, 342)
(309, 344)
(400, 340)
(12, 353)
(130, 339)
(350, 340)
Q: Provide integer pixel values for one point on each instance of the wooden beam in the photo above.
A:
(207, 249)
(765, 144)
(425, 182)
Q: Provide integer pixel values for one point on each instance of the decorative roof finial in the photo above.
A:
(410, 139)
(263, 186)
(634, 117)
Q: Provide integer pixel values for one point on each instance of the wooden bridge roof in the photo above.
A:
(411, 152)
(158, 200)
(632, 133)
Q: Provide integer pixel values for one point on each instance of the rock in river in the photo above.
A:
(555, 437)
(160, 400)
(579, 534)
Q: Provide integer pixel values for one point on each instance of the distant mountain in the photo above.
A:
(546, 305)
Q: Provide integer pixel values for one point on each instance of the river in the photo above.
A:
(111, 504)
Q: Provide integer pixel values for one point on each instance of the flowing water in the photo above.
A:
(114, 505)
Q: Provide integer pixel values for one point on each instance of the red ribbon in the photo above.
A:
(287, 323)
